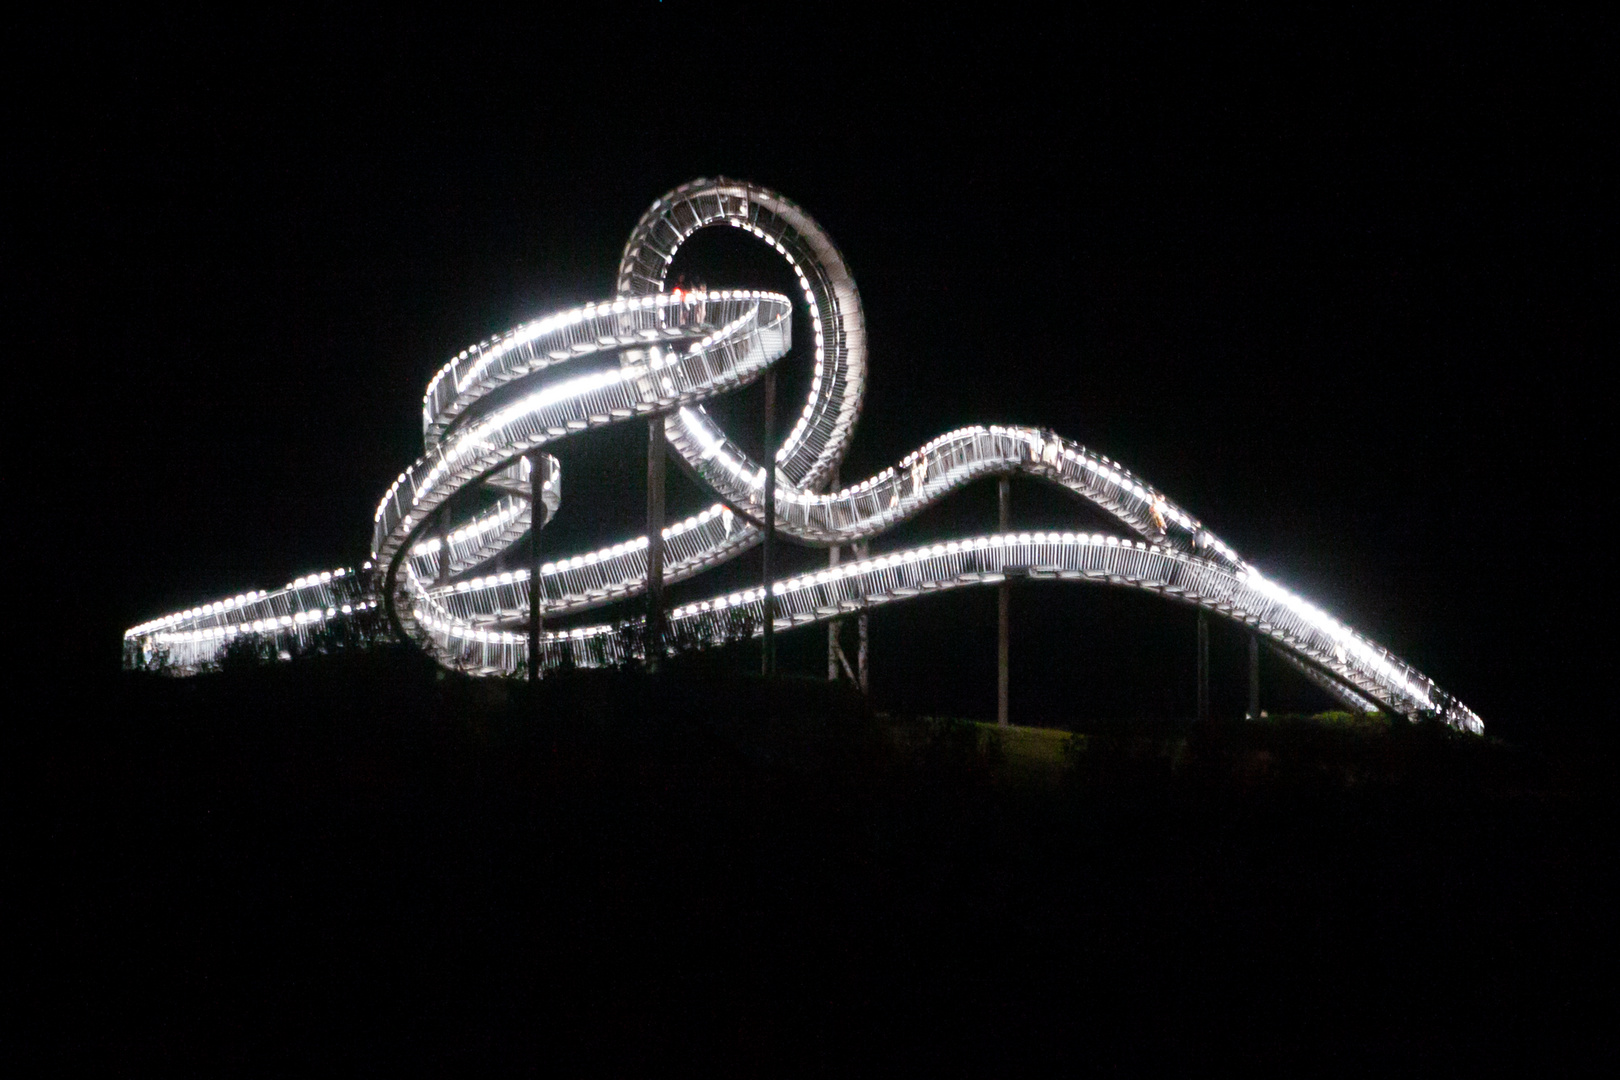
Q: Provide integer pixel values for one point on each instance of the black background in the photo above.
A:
(1332, 284)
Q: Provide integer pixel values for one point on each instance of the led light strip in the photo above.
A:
(668, 353)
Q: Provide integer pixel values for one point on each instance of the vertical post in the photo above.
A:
(444, 546)
(832, 624)
(655, 542)
(1003, 608)
(768, 652)
(539, 473)
(1203, 665)
(1254, 677)
(861, 552)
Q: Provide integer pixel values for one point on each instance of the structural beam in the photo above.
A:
(539, 473)
(862, 551)
(444, 547)
(1003, 607)
(655, 542)
(1203, 665)
(834, 651)
(1254, 677)
(768, 650)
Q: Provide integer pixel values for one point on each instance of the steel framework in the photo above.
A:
(649, 352)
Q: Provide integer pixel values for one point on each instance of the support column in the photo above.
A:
(768, 650)
(1003, 608)
(861, 552)
(1203, 665)
(444, 546)
(833, 624)
(1254, 677)
(655, 542)
(539, 473)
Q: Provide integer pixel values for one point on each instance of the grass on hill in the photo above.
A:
(361, 861)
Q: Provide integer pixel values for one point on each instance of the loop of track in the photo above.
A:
(496, 404)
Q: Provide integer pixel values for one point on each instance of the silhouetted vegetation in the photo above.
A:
(359, 859)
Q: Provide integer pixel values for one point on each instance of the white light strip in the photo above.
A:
(676, 350)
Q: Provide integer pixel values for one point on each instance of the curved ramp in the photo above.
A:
(648, 352)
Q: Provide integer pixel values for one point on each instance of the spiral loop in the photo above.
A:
(648, 352)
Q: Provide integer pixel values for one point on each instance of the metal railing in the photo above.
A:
(496, 404)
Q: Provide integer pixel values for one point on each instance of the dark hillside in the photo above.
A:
(358, 862)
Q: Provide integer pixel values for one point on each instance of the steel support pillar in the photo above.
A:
(443, 577)
(539, 473)
(768, 650)
(861, 552)
(655, 542)
(1203, 665)
(1003, 607)
(833, 625)
(1254, 677)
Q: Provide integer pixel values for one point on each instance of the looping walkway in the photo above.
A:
(648, 352)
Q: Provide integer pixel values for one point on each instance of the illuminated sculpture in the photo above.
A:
(489, 412)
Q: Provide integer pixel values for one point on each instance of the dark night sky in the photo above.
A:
(1334, 287)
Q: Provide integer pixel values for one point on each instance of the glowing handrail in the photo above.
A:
(671, 352)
